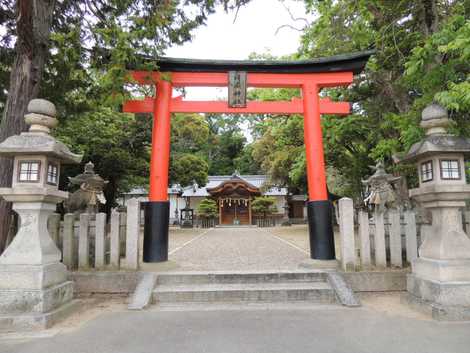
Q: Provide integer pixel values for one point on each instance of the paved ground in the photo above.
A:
(239, 249)
(381, 326)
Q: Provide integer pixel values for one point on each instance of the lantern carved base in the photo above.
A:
(34, 290)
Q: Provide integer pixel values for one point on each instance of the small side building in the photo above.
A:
(234, 195)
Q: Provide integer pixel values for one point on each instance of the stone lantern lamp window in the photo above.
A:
(426, 171)
(450, 169)
(29, 171)
(52, 173)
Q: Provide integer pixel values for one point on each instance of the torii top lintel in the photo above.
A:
(322, 72)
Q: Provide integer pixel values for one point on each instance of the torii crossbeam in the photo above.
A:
(309, 76)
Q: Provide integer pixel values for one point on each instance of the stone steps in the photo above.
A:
(238, 277)
(239, 287)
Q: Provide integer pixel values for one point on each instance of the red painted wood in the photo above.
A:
(316, 176)
(255, 107)
(139, 106)
(160, 155)
(311, 106)
(178, 105)
(220, 79)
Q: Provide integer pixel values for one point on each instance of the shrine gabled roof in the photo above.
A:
(354, 62)
(234, 183)
(216, 180)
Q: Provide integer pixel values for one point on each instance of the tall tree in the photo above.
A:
(33, 23)
(89, 38)
(422, 55)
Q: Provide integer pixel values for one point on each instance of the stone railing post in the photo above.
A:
(115, 241)
(68, 241)
(379, 239)
(84, 242)
(346, 229)
(100, 241)
(411, 238)
(395, 238)
(132, 234)
(364, 236)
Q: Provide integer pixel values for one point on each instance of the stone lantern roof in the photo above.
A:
(37, 141)
(435, 120)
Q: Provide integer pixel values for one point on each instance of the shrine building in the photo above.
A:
(234, 195)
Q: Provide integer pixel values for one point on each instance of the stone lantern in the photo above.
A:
(34, 289)
(440, 278)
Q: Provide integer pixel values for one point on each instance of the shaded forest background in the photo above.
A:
(422, 55)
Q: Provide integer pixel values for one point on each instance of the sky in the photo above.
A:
(253, 30)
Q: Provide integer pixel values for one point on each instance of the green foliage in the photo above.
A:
(245, 163)
(189, 133)
(226, 144)
(264, 205)
(422, 54)
(439, 68)
(91, 42)
(187, 168)
(207, 208)
(114, 142)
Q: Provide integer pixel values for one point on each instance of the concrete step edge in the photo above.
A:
(241, 278)
(213, 287)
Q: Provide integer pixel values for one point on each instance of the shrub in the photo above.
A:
(264, 205)
(207, 209)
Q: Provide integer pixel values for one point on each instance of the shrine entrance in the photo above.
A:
(310, 76)
(234, 198)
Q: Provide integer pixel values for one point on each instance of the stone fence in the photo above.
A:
(376, 240)
(98, 243)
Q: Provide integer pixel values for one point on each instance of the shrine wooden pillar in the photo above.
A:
(157, 210)
(319, 208)
(220, 210)
(249, 211)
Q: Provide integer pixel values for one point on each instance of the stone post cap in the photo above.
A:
(435, 119)
(41, 116)
(434, 111)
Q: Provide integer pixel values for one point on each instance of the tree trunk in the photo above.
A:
(33, 25)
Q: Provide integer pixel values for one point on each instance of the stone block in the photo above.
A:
(436, 311)
(31, 276)
(105, 281)
(443, 293)
(19, 301)
(442, 270)
(36, 321)
(376, 281)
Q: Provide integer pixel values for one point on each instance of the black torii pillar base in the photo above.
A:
(157, 221)
(320, 226)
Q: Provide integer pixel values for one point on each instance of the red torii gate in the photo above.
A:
(309, 76)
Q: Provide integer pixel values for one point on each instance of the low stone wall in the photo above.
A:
(104, 282)
(125, 282)
(376, 281)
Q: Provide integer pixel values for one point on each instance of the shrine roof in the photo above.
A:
(216, 180)
(354, 62)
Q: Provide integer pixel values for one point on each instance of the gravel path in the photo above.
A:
(225, 249)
